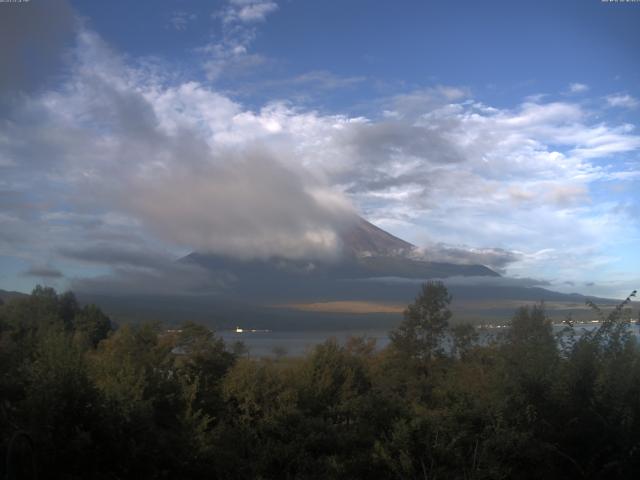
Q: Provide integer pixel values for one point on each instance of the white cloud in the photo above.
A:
(578, 88)
(128, 155)
(621, 100)
(189, 164)
(250, 10)
(495, 258)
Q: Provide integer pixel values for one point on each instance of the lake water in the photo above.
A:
(295, 343)
(261, 344)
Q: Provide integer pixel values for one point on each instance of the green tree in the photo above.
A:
(68, 308)
(59, 407)
(525, 389)
(91, 322)
(202, 361)
(464, 337)
(425, 323)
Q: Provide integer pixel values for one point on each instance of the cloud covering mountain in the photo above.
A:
(152, 158)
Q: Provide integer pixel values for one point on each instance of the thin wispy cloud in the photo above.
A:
(247, 11)
(44, 272)
(180, 20)
(228, 53)
(134, 270)
(578, 88)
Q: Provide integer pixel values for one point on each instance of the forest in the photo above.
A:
(82, 398)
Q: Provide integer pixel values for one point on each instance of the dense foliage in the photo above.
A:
(80, 399)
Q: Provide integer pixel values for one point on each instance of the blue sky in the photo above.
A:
(503, 133)
(504, 50)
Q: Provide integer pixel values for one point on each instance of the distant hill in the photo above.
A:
(6, 295)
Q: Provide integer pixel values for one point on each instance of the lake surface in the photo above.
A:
(295, 343)
(261, 344)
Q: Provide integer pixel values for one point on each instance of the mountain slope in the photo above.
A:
(364, 238)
